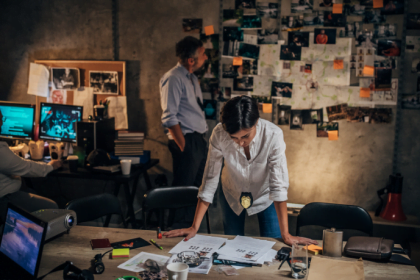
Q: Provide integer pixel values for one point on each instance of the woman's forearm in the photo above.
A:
(281, 209)
(201, 209)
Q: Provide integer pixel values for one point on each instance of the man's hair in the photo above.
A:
(187, 47)
(239, 113)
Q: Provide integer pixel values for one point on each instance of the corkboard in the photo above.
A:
(84, 67)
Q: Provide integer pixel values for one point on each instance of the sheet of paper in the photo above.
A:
(205, 245)
(267, 257)
(315, 52)
(262, 85)
(38, 80)
(246, 248)
(203, 268)
(117, 109)
(325, 268)
(83, 96)
(135, 263)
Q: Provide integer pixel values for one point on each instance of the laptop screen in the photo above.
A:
(21, 240)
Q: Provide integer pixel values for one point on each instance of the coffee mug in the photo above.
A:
(177, 271)
(125, 166)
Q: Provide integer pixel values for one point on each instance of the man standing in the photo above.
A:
(183, 116)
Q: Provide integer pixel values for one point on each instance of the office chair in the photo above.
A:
(170, 198)
(348, 218)
(96, 206)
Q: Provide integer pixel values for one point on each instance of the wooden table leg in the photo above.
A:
(129, 199)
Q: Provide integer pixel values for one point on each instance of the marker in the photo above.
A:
(157, 245)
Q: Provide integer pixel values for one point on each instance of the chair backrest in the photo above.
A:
(170, 198)
(339, 216)
(93, 207)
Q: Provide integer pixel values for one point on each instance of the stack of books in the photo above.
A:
(129, 143)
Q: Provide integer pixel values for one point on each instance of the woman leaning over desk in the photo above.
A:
(254, 177)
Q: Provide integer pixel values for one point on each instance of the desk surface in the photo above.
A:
(76, 248)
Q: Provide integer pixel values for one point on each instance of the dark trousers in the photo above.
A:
(188, 169)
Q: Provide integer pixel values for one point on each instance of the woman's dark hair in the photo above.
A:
(187, 47)
(239, 113)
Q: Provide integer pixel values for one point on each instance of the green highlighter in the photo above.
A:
(157, 245)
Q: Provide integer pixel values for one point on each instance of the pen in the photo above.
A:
(157, 245)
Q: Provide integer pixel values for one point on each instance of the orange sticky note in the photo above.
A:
(237, 61)
(338, 64)
(337, 8)
(333, 135)
(209, 30)
(368, 70)
(365, 92)
(267, 108)
(378, 4)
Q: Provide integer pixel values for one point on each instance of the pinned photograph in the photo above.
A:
(389, 47)
(373, 16)
(279, 89)
(308, 68)
(249, 51)
(267, 10)
(243, 84)
(364, 39)
(413, 21)
(312, 116)
(230, 71)
(283, 114)
(245, 4)
(261, 100)
(58, 96)
(210, 108)
(412, 44)
(233, 17)
(415, 66)
(337, 112)
(292, 23)
(290, 53)
(325, 36)
(286, 65)
(296, 120)
(250, 67)
(383, 78)
(326, 3)
(301, 6)
(104, 82)
(315, 18)
(322, 128)
(411, 101)
(192, 25)
(354, 9)
(268, 36)
(233, 34)
(210, 42)
(251, 39)
(352, 29)
(393, 7)
(334, 20)
(65, 78)
(209, 85)
(251, 22)
(298, 39)
(385, 30)
(227, 92)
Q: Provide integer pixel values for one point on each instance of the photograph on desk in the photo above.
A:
(104, 82)
(65, 78)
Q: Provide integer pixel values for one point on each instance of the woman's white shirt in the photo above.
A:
(265, 175)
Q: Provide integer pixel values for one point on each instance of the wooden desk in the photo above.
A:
(76, 248)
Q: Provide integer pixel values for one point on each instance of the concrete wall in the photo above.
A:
(348, 171)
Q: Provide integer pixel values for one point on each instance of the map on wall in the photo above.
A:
(269, 60)
(315, 52)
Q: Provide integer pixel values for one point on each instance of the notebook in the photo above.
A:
(22, 241)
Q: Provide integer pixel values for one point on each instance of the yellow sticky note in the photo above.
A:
(337, 8)
(378, 4)
(368, 70)
(333, 135)
(267, 108)
(237, 61)
(209, 30)
(338, 64)
(365, 92)
(121, 253)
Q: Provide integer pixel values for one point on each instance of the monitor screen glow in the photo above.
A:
(17, 120)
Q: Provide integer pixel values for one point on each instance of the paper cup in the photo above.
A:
(73, 160)
(125, 166)
(177, 271)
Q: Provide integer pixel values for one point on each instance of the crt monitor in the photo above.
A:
(58, 122)
(17, 120)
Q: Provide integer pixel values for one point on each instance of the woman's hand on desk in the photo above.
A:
(289, 240)
(188, 232)
(56, 164)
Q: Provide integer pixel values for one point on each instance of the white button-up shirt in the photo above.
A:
(265, 175)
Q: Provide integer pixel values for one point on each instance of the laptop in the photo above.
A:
(21, 244)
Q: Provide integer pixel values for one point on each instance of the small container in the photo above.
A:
(73, 160)
(99, 112)
(332, 243)
(159, 233)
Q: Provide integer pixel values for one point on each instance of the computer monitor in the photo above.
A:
(58, 122)
(21, 244)
(17, 120)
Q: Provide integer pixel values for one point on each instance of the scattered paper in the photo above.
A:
(203, 268)
(135, 264)
(204, 245)
(246, 248)
(267, 257)
(38, 80)
(117, 109)
(325, 268)
(209, 30)
(84, 97)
